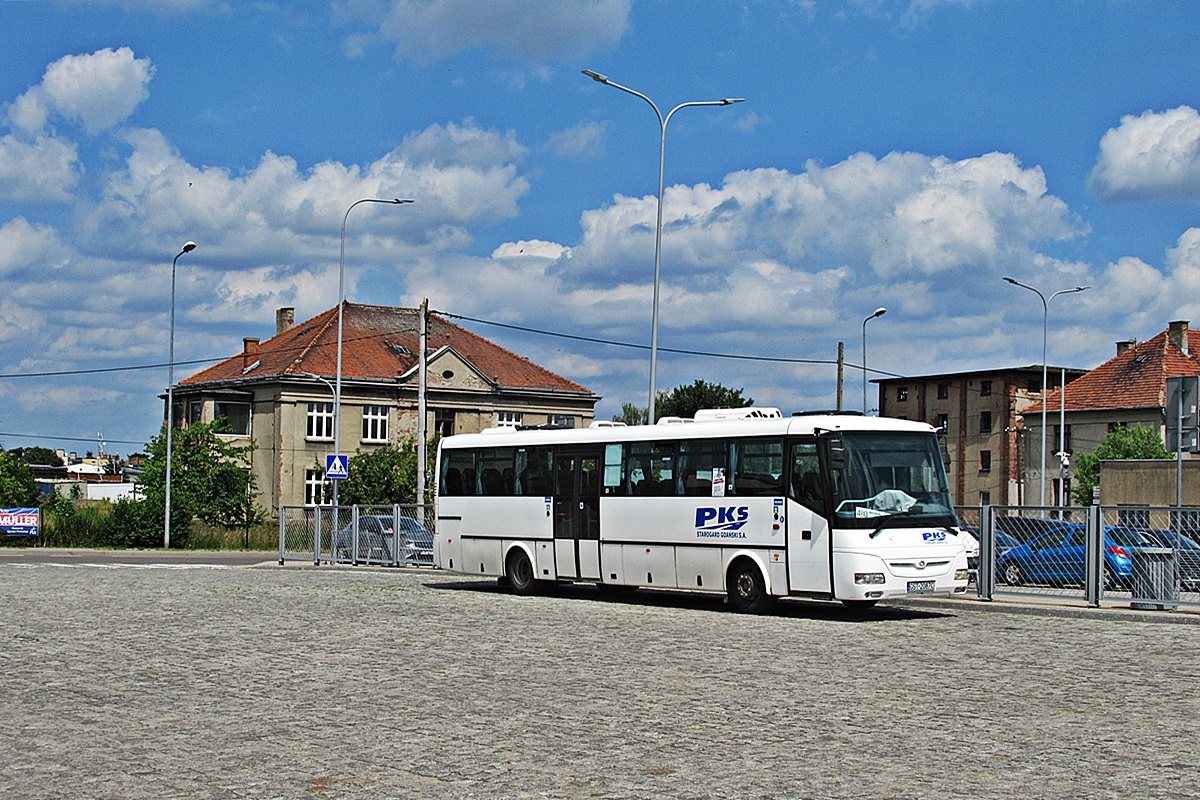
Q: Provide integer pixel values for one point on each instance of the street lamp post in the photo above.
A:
(337, 392)
(879, 312)
(1045, 337)
(187, 248)
(662, 154)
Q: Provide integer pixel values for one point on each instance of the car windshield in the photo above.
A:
(892, 474)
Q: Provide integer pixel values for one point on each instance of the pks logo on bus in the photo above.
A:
(935, 537)
(722, 522)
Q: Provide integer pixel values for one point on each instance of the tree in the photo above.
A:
(1120, 443)
(632, 414)
(42, 456)
(386, 475)
(211, 480)
(18, 487)
(685, 401)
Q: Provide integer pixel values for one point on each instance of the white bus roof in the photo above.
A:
(707, 426)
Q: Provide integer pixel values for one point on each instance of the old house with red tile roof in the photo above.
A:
(1129, 389)
(278, 393)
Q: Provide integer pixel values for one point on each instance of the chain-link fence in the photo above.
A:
(397, 535)
(1146, 556)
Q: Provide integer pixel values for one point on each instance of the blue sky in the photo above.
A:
(898, 153)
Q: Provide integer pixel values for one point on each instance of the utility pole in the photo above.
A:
(841, 372)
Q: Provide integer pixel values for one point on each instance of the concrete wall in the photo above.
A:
(1148, 483)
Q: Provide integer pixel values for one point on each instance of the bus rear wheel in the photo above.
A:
(519, 572)
(747, 589)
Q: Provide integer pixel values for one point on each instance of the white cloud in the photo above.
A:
(28, 251)
(98, 91)
(905, 214)
(459, 176)
(39, 171)
(529, 30)
(1155, 156)
(584, 141)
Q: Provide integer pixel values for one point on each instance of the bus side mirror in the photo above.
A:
(837, 454)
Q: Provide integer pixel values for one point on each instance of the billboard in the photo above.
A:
(19, 521)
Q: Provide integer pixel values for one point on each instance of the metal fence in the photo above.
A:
(397, 535)
(1148, 557)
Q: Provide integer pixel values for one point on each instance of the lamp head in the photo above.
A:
(879, 312)
(189, 247)
(1010, 280)
(399, 202)
(731, 100)
(596, 76)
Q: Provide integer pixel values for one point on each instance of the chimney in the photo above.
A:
(249, 351)
(1123, 347)
(285, 319)
(1178, 332)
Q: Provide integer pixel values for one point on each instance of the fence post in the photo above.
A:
(317, 536)
(1094, 557)
(985, 574)
(282, 530)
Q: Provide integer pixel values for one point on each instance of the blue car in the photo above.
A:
(1057, 557)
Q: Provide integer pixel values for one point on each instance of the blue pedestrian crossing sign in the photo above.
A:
(335, 467)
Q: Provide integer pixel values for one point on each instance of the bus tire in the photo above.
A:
(747, 589)
(519, 572)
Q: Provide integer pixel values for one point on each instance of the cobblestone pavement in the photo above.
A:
(149, 682)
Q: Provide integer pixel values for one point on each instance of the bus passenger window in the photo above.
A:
(807, 485)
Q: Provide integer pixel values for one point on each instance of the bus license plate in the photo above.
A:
(921, 587)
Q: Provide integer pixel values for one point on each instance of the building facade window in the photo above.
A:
(561, 421)
(375, 424)
(985, 498)
(985, 422)
(985, 388)
(236, 415)
(985, 460)
(314, 487)
(508, 417)
(943, 391)
(1066, 440)
(901, 394)
(943, 422)
(320, 421)
(443, 421)
(195, 412)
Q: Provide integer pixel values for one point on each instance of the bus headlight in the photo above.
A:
(962, 574)
(869, 578)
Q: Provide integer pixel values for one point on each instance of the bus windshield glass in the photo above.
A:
(890, 474)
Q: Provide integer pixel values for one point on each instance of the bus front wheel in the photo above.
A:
(747, 589)
(519, 572)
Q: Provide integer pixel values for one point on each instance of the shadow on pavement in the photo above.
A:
(829, 611)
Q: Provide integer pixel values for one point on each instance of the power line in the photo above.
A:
(91, 439)
(678, 351)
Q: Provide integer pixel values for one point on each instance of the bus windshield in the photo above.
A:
(890, 474)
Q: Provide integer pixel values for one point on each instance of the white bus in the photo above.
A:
(742, 501)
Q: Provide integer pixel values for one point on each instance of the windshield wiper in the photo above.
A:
(885, 520)
(906, 512)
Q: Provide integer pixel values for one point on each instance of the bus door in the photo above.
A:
(809, 545)
(577, 474)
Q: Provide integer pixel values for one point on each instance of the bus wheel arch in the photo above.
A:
(519, 572)
(746, 586)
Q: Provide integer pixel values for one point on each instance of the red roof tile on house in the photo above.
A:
(379, 343)
(1137, 378)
